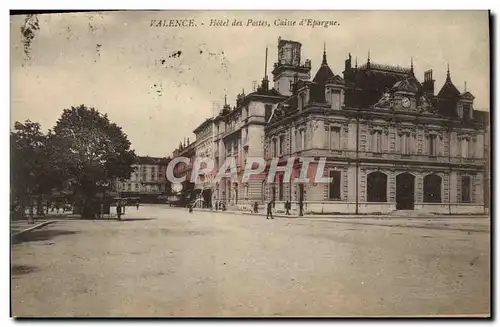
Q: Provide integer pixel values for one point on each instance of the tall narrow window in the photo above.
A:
(297, 141)
(432, 145)
(335, 99)
(275, 148)
(377, 142)
(280, 187)
(471, 145)
(466, 111)
(334, 187)
(335, 138)
(282, 145)
(303, 138)
(405, 143)
(466, 185)
(465, 148)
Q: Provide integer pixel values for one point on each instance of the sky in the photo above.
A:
(160, 83)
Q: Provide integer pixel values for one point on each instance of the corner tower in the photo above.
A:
(289, 66)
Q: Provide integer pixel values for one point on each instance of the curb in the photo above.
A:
(45, 223)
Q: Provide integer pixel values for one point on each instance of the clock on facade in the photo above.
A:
(405, 102)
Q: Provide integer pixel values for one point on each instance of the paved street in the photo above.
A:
(167, 262)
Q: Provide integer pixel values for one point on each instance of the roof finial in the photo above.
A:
(368, 55)
(324, 55)
(356, 62)
(465, 86)
(411, 65)
(225, 99)
(448, 70)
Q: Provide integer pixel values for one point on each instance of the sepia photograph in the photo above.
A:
(250, 164)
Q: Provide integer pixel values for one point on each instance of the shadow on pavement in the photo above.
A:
(136, 219)
(40, 235)
(23, 269)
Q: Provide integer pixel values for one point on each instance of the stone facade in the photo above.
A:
(390, 143)
(148, 179)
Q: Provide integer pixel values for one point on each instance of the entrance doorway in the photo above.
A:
(405, 191)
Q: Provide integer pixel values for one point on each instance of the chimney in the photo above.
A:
(428, 84)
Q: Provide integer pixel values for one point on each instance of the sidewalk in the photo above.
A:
(20, 227)
(453, 223)
(363, 217)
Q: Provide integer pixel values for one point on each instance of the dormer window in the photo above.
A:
(466, 111)
(302, 100)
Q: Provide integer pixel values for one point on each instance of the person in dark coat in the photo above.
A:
(119, 210)
(288, 206)
(270, 209)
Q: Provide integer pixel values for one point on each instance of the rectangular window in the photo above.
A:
(432, 145)
(405, 143)
(275, 148)
(334, 138)
(280, 187)
(471, 145)
(152, 176)
(129, 186)
(303, 139)
(466, 111)
(297, 141)
(377, 142)
(466, 185)
(334, 187)
(335, 99)
(465, 148)
(136, 186)
(282, 144)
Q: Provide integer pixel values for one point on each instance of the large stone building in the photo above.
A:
(390, 142)
(185, 191)
(148, 181)
(204, 148)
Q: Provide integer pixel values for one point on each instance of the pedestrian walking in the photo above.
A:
(137, 204)
(288, 206)
(119, 210)
(256, 207)
(270, 209)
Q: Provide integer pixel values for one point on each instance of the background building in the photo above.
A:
(148, 182)
(187, 191)
(204, 148)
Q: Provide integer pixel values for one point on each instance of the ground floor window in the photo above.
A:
(432, 188)
(334, 187)
(377, 187)
(466, 186)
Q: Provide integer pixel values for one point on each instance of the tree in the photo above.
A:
(32, 171)
(92, 153)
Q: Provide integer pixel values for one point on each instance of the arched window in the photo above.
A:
(432, 188)
(377, 187)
